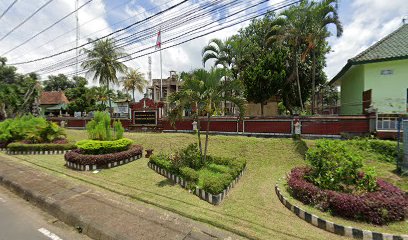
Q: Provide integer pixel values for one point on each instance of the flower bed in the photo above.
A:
(385, 205)
(39, 148)
(77, 159)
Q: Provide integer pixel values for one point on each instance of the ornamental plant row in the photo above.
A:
(385, 205)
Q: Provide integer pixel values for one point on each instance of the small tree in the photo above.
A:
(203, 92)
(100, 128)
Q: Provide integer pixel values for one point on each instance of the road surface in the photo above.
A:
(19, 220)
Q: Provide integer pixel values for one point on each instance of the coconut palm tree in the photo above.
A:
(323, 14)
(289, 28)
(103, 62)
(134, 80)
(203, 92)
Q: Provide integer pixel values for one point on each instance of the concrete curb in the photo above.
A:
(89, 167)
(96, 214)
(333, 227)
(213, 199)
(44, 152)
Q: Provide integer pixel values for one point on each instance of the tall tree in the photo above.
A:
(103, 62)
(134, 80)
(203, 92)
(322, 15)
(289, 29)
(58, 83)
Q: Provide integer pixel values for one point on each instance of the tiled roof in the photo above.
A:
(392, 47)
(54, 97)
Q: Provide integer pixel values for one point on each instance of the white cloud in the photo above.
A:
(368, 22)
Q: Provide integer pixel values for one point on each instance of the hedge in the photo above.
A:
(24, 147)
(385, 205)
(78, 156)
(103, 147)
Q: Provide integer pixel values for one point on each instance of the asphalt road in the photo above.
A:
(19, 220)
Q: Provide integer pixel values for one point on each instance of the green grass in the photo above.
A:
(250, 209)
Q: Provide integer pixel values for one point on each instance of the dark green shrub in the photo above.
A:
(335, 167)
(16, 129)
(236, 165)
(103, 147)
(190, 156)
(45, 133)
(23, 147)
(162, 161)
(99, 128)
(214, 183)
(189, 174)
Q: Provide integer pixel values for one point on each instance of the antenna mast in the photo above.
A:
(77, 38)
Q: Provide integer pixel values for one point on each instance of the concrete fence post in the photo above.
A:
(404, 162)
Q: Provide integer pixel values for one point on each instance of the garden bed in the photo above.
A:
(333, 227)
(387, 204)
(213, 199)
(38, 148)
(78, 160)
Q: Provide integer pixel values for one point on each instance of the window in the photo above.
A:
(387, 123)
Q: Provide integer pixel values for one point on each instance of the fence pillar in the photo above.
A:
(404, 162)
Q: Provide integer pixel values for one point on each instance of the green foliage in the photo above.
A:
(162, 161)
(45, 133)
(336, 167)
(118, 130)
(58, 83)
(99, 128)
(22, 147)
(34, 129)
(214, 182)
(189, 174)
(386, 150)
(191, 156)
(97, 147)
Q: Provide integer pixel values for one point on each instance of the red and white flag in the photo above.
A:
(158, 41)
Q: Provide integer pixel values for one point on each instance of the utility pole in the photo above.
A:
(149, 76)
(77, 38)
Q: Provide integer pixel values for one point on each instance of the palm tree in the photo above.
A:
(101, 94)
(103, 62)
(289, 28)
(323, 13)
(203, 92)
(134, 80)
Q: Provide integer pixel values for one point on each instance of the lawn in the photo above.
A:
(251, 209)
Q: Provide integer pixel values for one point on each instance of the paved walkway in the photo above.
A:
(96, 214)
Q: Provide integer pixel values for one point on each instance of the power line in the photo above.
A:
(52, 25)
(105, 36)
(8, 8)
(25, 20)
(281, 5)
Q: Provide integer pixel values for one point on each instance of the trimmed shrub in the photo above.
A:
(387, 150)
(99, 128)
(162, 161)
(214, 183)
(45, 133)
(23, 147)
(103, 147)
(336, 167)
(78, 156)
(385, 205)
(189, 174)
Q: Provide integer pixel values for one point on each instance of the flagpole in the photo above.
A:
(161, 68)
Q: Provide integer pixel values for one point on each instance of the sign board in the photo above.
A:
(145, 117)
(77, 114)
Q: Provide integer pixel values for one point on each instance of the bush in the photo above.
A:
(162, 161)
(385, 205)
(78, 156)
(45, 133)
(103, 147)
(23, 147)
(214, 183)
(384, 148)
(16, 129)
(99, 128)
(336, 167)
(189, 174)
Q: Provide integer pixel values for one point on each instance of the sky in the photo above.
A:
(364, 21)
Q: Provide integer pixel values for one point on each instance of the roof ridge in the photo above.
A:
(378, 43)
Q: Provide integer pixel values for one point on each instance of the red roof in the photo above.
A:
(54, 97)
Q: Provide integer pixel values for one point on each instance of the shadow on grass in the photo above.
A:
(301, 147)
(165, 182)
